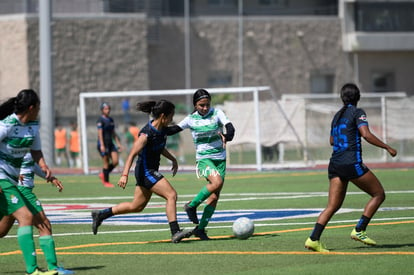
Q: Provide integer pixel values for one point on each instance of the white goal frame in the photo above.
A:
(234, 90)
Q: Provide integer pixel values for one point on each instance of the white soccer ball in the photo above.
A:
(243, 228)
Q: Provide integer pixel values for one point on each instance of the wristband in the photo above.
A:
(124, 175)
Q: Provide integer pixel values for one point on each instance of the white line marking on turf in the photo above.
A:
(251, 196)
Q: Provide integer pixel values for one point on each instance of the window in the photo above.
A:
(383, 81)
(322, 83)
(279, 3)
(223, 2)
(384, 16)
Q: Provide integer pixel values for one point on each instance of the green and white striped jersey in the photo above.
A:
(16, 139)
(28, 170)
(205, 131)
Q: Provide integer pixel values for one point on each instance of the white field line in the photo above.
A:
(237, 196)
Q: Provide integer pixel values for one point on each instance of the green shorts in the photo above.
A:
(208, 167)
(11, 199)
(30, 199)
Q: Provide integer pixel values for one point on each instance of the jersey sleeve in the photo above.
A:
(222, 117)
(36, 143)
(99, 123)
(3, 130)
(184, 124)
(361, 118)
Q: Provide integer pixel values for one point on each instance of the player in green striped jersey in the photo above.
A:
(206, 125)
(25, 185)
(19, 134)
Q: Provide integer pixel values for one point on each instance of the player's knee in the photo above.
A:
(213, 197)
(136, 208)
(172, 196)
(380, 196)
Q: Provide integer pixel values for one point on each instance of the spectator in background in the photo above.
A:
(60, 145)
(125, 109)
(134, 130)
(129, 139)
(74, 146)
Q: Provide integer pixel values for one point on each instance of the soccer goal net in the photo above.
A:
(388, 116)
(182, 145)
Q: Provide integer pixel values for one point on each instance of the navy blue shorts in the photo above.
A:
(147, 178)
(109, 148)
(346, 172)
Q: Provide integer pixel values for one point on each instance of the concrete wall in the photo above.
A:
(92, 54)
(14, 73)
(274, 53)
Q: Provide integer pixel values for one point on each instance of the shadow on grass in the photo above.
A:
(221, 238)
(87, 268)
(394, 245)
(83, 268)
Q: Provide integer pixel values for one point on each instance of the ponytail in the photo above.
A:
(340, 113)
(156, 108)
(19, 104)
(146, 106)
(7, 107)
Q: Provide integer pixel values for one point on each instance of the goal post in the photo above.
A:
(178, 92)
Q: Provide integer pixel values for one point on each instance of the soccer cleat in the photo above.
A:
(96, 221)
(108, 184)
(39, 272)
(179, 235)
(101, 176)
(63, 271)
(191, 213)
(201, 234)
(317, 245)
(362, 237)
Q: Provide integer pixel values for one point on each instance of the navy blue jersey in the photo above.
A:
(149, 157)
(346, 137)
(107, 125)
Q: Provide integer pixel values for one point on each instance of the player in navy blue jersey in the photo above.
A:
(149, 147)
(348, 126)
(106, 147)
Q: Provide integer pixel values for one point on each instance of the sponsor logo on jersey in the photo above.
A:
(363, 118)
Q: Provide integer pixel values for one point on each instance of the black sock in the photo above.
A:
(362, 223)
(174, 227)
(106, 174)
(317, 232)
(110, 168)
(106, 213)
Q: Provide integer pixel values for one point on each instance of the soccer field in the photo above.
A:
(283, 205)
